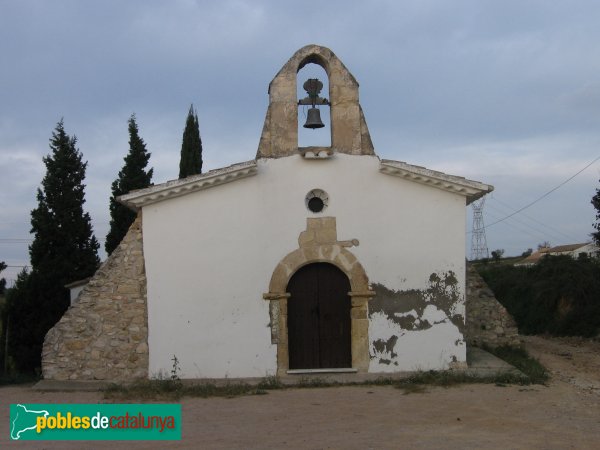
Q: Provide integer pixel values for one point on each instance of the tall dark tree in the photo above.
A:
(191, 147)
(21, 310)
(64, 249)
(132, 176)
(2, 318)
(2, 280)
(596, 203)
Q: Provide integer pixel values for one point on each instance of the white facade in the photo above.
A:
(210, 254)
(590, 249)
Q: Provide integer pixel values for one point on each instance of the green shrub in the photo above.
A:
(559, 295)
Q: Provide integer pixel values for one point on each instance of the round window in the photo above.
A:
(315, 204)
(316, 200)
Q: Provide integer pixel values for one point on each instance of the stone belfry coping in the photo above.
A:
(349, 132)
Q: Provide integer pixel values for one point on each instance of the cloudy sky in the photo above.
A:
(505, 92)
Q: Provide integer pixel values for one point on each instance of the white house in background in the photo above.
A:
(588, 249)
(321, 259)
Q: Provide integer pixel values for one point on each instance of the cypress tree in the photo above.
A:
(596, 203)
(64, 249)
(132, 176)
(2, 280)
(191, 147)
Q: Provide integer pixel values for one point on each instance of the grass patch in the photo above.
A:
(270, 383)
(417, 383)
(519, 358)
(175, 389)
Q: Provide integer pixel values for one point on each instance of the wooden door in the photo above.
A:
(319, 318)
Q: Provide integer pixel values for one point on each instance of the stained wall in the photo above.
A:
(211, 254)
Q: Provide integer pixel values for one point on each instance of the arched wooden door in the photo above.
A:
(319, 318)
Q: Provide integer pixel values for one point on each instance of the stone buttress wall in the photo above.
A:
(487, 321)
(104, 335)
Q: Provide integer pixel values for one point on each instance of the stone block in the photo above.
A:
(132, 288)
(358, 313)
(142, 348)
(75, 345)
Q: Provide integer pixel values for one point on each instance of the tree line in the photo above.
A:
(64, 248)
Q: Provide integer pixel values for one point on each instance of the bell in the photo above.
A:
(313, 119)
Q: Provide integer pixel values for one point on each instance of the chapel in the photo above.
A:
(317, 259)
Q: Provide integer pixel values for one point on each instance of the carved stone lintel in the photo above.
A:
(350, 243)
(362, 294)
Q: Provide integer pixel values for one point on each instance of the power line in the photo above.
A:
(518, 228)
(27, 241)
(544, 195)
(540, 234)
(539, 222)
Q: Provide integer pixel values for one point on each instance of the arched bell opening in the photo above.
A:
(310, 134)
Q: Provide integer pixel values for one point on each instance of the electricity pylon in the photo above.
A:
(479, 248)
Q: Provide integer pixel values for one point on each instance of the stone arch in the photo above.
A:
(337, 255)
(314, 58)
(319, 244)
(349, 132)
(320, 137)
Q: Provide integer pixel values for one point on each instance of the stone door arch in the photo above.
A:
(319, 244)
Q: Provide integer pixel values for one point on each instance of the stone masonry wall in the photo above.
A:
(487, 322)
(104, 335)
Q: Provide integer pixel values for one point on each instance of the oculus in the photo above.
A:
(316, 200)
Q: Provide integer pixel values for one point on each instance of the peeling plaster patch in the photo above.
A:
(417, 325)
(386, 347)
(412, 312)
(435, 348)
(443, 292)
(433, 315)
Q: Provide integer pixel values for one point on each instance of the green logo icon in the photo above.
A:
(95, 422)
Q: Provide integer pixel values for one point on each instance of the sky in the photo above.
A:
(504, 92)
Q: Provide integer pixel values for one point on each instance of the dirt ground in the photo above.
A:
(564, 414)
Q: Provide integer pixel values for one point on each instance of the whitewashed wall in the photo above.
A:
(74, 292)
(210, 256)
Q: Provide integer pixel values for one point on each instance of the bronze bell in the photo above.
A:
(313, 119)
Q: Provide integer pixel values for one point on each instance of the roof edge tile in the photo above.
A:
(472, 190)
(176, 188)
